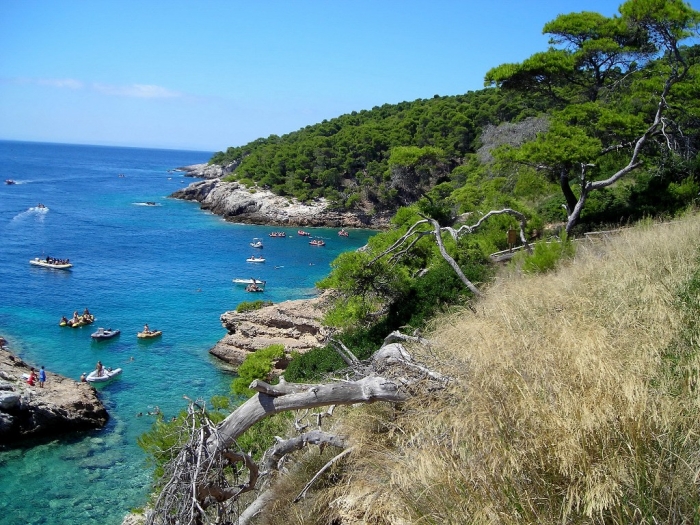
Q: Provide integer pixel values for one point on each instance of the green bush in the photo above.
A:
(249, 306)
(257, 365)
(546, 256)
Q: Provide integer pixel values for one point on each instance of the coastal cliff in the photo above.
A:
(61, 406)
(236, 203)
(294, 324)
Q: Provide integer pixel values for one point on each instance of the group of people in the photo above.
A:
(33, 377)
(53, 260)
(86, 318)
(278, 234)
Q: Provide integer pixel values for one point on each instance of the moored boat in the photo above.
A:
(303, 233)
(277, 234)
(105, 375)
(103, 334)
(56, 264)
(317, 242)
(257, 243)
(248, 281)
(255, 259)
(343, 233)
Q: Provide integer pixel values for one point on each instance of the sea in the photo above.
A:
(138, 257)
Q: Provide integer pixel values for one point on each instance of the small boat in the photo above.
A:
(303, 233)
(56, 264)
(248, 281)
(83, 320)
(107, 374)
(257, 243)
(317, 242)
(103, 334)
(150, 334)
(343, 233)
(277, 234)
(255, 259)
(10, 181)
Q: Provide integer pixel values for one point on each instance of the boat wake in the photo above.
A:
(37, 212)
(148, 203)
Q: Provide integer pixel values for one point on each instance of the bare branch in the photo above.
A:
(323, 469)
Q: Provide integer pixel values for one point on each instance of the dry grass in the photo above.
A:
(574, 401)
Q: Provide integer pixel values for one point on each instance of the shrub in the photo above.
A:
(257, 365)
(249, 306)
(547, 255)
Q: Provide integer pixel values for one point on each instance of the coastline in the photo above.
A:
(236, 203)
(27, 412)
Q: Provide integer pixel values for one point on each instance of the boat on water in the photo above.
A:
(303, 233)
(104, 333)
(248, 281)
(77, 322)
(277, 234)
(10, 181)
(252, 285)
(106, 375)
(343, 233)
(255, 259)
(48, 262)
(150, 334)
(317, 242)
(257, 243)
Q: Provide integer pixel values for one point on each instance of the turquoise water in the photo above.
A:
(168, 265)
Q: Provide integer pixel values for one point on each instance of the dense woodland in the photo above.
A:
(598, 131)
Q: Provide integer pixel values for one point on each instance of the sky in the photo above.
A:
(205, 75)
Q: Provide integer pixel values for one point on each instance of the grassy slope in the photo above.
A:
(574, 401)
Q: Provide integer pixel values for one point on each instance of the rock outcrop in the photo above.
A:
(294, 324)
(208, 171)
(62, 406)
(236, 203)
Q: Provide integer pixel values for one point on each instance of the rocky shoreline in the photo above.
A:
(236, 203)
(294, 324)
(61, 406)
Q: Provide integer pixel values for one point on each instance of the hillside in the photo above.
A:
(573, 400)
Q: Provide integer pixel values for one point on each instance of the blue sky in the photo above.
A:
(207, 74)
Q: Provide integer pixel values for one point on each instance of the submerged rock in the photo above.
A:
(62, 406)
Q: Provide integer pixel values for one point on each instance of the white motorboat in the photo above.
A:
(252, 285)
(248, 281)
(107, 374)
(257, 243)
(47, 264)
(255, 259)
(105, 333)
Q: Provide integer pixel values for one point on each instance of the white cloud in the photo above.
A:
(69, 83)
(137, 91)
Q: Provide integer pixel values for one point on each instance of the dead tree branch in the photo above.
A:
(200, 488)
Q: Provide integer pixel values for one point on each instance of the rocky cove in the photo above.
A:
(236, 203)
(61, 406)
(294, 324)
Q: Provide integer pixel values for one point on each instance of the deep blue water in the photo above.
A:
(168, 265)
